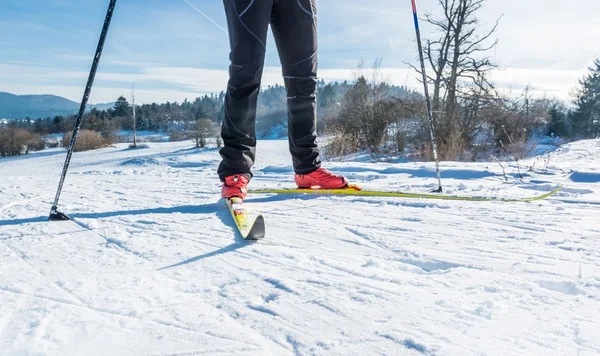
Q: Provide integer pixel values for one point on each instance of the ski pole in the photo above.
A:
(427, 99)
(55, 215)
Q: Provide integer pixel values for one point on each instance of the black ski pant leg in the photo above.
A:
(247, 21)
(294, 25)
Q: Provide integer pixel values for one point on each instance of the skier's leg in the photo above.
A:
(247, 21)
(294, 25)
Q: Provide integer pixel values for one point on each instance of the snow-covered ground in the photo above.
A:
(142, 136)
(150, 264)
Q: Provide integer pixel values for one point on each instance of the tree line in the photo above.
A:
(197, 120)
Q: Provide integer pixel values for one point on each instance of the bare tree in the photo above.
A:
(202, 130)
(134, 118)
(460, 71)
(15, 141)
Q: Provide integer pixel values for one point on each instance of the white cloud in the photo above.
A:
(544, 82)
(103, 94)
(156, 83)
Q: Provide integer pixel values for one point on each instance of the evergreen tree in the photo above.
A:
(122, 108)
(326, 96)
(560, 123)
(586, 117)
(58, 124)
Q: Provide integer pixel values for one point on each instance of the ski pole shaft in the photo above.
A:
(427, 99)
(84, 100)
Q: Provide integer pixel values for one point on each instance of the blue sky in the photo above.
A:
(171, 51)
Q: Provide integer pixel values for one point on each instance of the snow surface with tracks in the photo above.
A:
(151, 264)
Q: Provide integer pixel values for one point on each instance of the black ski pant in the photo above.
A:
(294, 26)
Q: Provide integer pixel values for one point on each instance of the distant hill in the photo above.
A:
(105, 106)
(21, 106)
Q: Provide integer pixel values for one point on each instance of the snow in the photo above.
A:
(142, 136)
(150, 263)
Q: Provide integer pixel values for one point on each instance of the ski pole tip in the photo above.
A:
(55, 215)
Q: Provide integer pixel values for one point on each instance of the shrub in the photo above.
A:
(342, 144)
(521, 150)
(86, 140)
(138, 146)
(36, 143)
(14, 141)
(177, 136)
(202, 130)
(372, 116)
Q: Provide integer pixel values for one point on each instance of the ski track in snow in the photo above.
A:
(151, 264)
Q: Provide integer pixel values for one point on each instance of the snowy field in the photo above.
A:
(150, 264)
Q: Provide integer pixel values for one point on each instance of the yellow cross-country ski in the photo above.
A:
(251, 227)
(354, 190)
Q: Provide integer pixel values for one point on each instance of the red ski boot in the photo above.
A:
(321, 179)
(235, 186)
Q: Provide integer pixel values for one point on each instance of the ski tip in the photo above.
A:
(257, 232)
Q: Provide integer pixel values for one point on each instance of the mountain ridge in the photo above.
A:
(14, 106)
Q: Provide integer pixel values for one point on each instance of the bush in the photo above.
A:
(372, 116)
(521, 150)
(175, 136)
(108, 136)
(454, 146)
(14, 141)
(400, 141)
(202, 130)
(342, 144)
(86, 140)
(36, 143)
(138, 146)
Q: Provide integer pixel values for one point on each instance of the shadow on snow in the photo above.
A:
(585, 177)
(184, 209)
(219, 209)
(423, 172)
